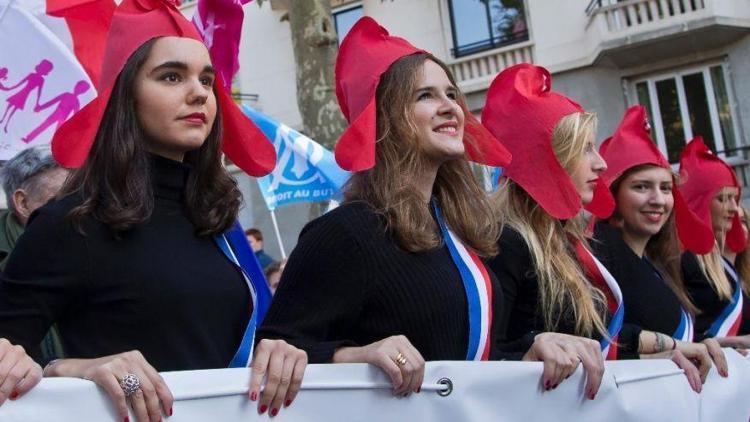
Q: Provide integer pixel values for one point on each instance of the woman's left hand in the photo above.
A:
(283, 365)
(18, 372)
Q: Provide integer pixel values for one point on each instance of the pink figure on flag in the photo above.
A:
(3, 76)
(67, 105)
(220, 24)
(33, 81)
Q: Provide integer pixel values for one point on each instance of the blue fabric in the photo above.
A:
(236, 248)
(264, 259)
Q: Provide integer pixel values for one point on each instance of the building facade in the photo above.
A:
(687, 61)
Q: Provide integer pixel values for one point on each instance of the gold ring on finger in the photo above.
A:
(400, 359)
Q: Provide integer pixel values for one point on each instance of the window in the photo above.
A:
(687, 103)
(344, 19)
(480, 25)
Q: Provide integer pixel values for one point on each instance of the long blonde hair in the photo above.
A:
(563, 287)
(389, 186)
(712, 265)
(742, 262)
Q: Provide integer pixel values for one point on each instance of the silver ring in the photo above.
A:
(130, 384)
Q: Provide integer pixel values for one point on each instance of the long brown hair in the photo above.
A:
(388, 187)
(115, 181)
(663, 248)
(563, 289)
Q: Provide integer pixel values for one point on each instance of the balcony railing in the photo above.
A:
(635, 15)
(475, 72)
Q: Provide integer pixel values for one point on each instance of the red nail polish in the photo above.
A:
(547, 385)
(288, 403)
(274, 411)
(14, 395)
(263, 409)
(419, 389)
(127, 419)
(592, 396)
(170, 411)
(253, 396)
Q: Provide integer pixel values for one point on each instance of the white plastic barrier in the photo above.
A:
(649, 390)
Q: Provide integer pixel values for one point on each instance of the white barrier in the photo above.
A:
(649, 390)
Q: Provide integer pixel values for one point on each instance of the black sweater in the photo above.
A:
(159, 289)
(348, 283)
(649, 302)
(515, 272)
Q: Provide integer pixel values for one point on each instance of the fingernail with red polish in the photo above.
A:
(263, 409)
(288, 403)
(253, 396)
(546, 385)
(592, 396)
(419, 389)
(127, 419)
(274, 411)
(14, 395)
(170, 411)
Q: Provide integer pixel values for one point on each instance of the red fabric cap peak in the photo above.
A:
(630, 146)
(365, 54)
(523, 111)
(134, 23)
(703, 176)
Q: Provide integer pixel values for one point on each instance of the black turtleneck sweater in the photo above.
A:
(158, 288)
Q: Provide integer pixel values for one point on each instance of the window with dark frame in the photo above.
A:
(344, 19)
(480, 25)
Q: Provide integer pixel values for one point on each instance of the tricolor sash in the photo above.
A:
(478, 288)
(235, 247)
(602, 279)
(728, 322)
(685, 329)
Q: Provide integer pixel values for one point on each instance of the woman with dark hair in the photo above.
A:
(133, 257)
(640, 244)
(551, 280)
(393, 277)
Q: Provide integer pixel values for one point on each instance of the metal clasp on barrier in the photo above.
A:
(447, 389)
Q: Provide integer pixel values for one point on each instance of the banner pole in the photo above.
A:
(278, 234)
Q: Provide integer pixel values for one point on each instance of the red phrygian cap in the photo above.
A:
(134, 23)
(703, 175)
(523, 111)
(365, 54)
(630, 146)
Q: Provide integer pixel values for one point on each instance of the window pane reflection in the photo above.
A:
(345, 19)
(722, 106)
(697, 105)
(666, 92)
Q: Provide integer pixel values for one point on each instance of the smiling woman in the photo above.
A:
(129, 261)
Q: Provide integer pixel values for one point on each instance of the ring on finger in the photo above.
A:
(400, 359)
(130, 384)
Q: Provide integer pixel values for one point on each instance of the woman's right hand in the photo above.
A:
(18, 372)
(406, 376)
(561, 354)
(704, 355)
(691, 372)
(148, 402)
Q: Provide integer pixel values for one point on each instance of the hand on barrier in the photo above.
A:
(698, 353)
(561, 354)
(717, 355)
(396, 356)
(283, 366)
(684, 363)
(18, 372)
(126, 377)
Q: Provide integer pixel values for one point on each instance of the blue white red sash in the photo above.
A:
(235, 247)
(728, 322)
(685, 329)
(602, 279)
(478, 290)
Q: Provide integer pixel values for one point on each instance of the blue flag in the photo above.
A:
(304, 172)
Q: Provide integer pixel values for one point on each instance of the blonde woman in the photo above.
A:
(550, 279)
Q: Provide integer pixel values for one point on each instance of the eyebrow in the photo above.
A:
(434, 88)
(181, 66)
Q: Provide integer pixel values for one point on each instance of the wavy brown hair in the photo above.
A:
(388, 187)
(563, 289)
(115, 181)
(663, 248)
